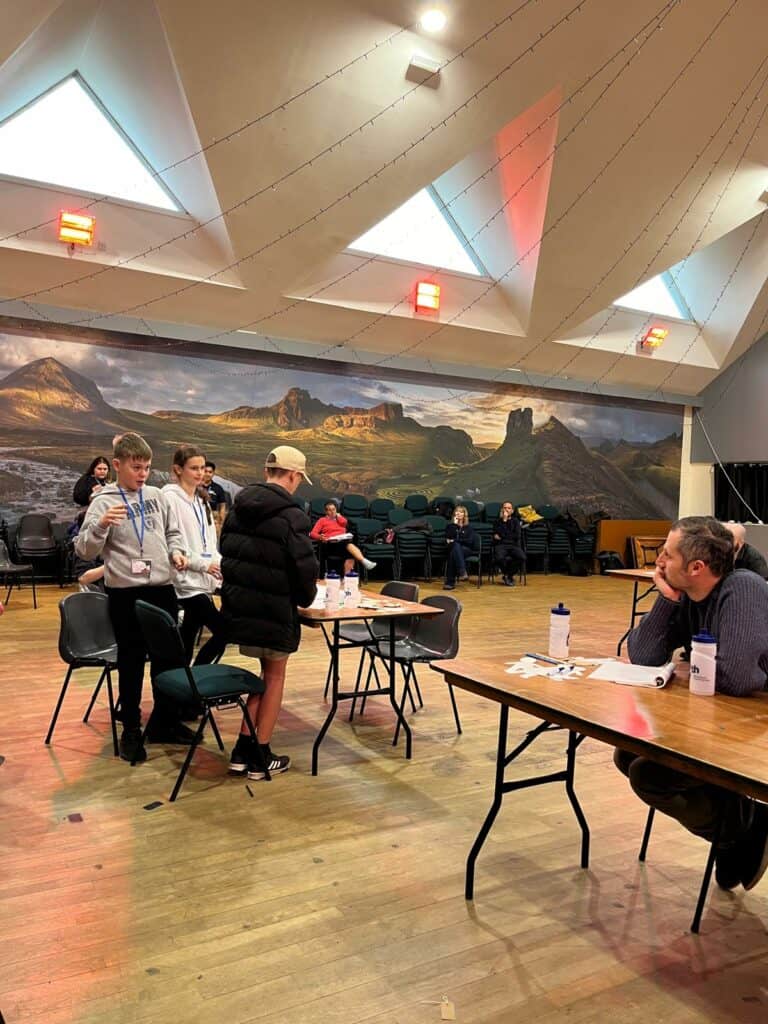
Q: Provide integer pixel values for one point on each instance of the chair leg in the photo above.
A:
(190, 754)
(455, 709)
(215, 729)
(358, 679)
(59, 702)
(407, 671)
(646, 833)
(416, 685)
(146, 730)
(112, 711)
(372, 670)
(34, 590)
(94, 695)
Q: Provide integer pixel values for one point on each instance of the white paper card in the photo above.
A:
(634, 675)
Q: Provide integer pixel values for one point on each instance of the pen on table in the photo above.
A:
(542, 657)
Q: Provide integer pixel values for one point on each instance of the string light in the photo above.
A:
(285, 177)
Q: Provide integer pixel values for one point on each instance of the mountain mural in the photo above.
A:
(60, 415)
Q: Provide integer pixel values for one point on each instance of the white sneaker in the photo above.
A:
(369, 564)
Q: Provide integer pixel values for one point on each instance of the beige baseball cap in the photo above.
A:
(286, 457)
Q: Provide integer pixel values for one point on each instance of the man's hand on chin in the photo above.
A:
(664, 588)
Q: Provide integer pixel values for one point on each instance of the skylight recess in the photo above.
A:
(66, 138)
(658, 295)
(419, 232)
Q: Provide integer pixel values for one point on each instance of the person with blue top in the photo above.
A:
(460, 538)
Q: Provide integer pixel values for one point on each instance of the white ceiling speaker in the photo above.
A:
(424, 70)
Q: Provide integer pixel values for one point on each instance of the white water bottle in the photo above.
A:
(559, 632)
(352, 590)
(332, 592)
(703, 664)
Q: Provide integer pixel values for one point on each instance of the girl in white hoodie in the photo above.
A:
(197, 583)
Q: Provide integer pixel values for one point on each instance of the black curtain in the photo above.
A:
(750, 480)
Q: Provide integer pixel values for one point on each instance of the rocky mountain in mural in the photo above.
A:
(51, 414)
(550, 465)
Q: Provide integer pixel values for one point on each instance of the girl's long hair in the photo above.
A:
(97, 462)
(181, 457)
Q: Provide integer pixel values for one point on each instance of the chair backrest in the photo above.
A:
(355, 505)
(485, 532)
(443, 505)
(548, 511)
(367, 527)
(438, 525)
(400, 591)
(397, 516)
(536, 538)
(86, 628)
(492, 511)
(441, 632)
(35, 533)
(163, 639)
(380, 507)
(417, 504)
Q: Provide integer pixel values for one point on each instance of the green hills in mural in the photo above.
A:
(376, 450)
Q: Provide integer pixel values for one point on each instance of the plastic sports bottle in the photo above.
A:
(332, 592)
(352, 590)
(559, 632)
(703, 664)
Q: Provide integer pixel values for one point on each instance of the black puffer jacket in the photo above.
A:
(268, 566)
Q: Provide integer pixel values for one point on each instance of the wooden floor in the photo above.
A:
(339, 899)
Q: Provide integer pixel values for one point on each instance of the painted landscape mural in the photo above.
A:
(62, 402)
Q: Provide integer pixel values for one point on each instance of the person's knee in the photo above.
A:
(623, 760)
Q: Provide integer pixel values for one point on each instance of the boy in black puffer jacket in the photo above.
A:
(269, 571)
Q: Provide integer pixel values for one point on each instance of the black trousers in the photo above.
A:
(695, 804)
(201, 611)
(509, 557)
(132, 652)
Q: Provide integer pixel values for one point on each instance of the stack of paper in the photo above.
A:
(634, 675)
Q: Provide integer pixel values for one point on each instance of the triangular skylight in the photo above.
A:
(420, 231)
(66, 138)
(659, 295)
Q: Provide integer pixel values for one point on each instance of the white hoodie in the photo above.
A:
(189, 513)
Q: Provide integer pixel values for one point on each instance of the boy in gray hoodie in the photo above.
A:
(134, 530)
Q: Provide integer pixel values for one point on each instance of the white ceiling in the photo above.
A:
(578, 156)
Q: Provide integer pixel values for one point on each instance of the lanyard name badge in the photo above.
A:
(197, 508)
(139, 566)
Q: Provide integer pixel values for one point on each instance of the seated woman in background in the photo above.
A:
(508, 550)
(91, 482)
(333, 527)
(195, 584)
(461, 542)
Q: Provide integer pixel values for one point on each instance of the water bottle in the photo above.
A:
(703, 664)
(351, 590)
(559, 632)
(332, 592)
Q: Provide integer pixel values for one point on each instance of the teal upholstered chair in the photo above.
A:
(207, 686)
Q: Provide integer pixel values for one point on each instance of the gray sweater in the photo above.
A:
(118, 545)
(735, 613)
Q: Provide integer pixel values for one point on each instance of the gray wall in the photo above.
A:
(735, 411)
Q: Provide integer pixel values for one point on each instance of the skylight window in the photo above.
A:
(659, 296)
(419, 232)
(67, 138)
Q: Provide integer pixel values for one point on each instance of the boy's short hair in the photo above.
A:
(331, 502)
(209, 464)
(131, 446)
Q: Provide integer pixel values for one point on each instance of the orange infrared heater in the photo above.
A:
(76, 228)
(427, 297)
(654, 337)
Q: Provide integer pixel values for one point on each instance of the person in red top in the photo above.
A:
(331, 526)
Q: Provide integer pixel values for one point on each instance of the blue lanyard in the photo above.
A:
(132, 515)
(196, 502)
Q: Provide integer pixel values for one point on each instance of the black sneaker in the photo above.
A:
(132, 746)
(242, 754)
(728, 867)
(171, 732)
(275, 763)
(754, 849)
(508, 581)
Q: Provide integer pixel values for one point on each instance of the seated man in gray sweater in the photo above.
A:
(745, 556)
(699, 590)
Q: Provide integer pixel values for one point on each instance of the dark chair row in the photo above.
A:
(357, 506)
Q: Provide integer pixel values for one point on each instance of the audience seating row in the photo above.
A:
(357, 506)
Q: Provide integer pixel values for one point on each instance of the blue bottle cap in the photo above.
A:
(352, 573)
(332, 576)
(704, 638)
(561, 610)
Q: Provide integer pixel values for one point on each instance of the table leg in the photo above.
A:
(334, 649)
(392, 698)
(498, 793)
(631, 619)
(573, 744)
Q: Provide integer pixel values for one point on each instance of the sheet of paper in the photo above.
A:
(634, 675)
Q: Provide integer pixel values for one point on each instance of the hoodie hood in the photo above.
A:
(258, 502)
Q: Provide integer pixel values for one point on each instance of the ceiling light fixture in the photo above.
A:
(433, 20)
(75, 228)
(654, 338)
(427, 297)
